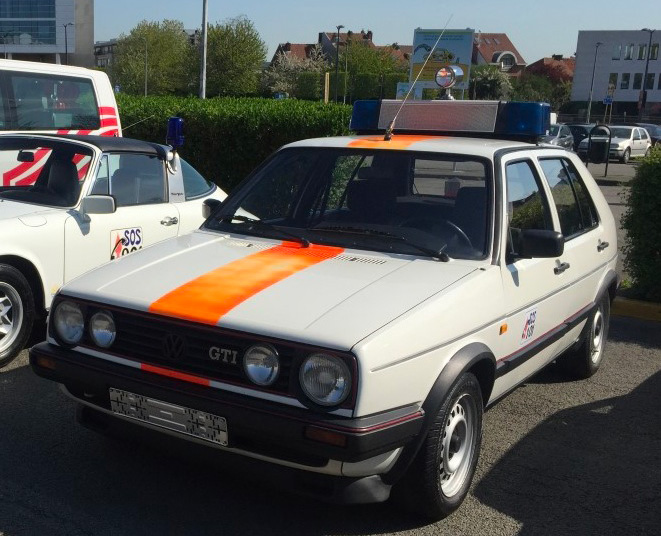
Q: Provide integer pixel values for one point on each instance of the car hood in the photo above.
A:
(26, 211)
(318, 295)
(605, 138)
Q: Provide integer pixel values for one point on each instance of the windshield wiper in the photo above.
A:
(436, 254)
(259, 223)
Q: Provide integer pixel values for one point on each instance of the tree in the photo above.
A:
(537, 88)
(488, 82)
(234, 59)
(287, 73)
(360, 58)
(168, 53)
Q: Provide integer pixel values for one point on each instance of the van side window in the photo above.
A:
(48, 102)
(195, 185)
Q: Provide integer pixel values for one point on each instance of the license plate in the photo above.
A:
(180, 419)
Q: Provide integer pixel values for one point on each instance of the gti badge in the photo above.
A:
(223, 355)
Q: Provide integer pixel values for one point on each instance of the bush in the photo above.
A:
(642, 223)
(226, 138)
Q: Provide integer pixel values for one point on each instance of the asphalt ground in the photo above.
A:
(557, 458)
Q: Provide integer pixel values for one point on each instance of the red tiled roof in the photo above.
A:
(556, 68)
(489, 46)
(298, 50)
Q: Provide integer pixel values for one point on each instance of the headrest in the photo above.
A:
(63, 179)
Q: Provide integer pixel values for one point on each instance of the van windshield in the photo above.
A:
(42, 172)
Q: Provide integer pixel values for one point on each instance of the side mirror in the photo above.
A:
(26, 156)
(536, 243)
(98, 204)
(209, 207)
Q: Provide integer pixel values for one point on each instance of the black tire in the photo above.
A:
(17, 313)
(584, 360)
(626, 156)
(429, 487)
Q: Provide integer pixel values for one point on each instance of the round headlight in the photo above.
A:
(102, 329)
(262, 364)
(69, 322)
(325, 379)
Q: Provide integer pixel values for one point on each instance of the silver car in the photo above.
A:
(626, 142)
(560, 136)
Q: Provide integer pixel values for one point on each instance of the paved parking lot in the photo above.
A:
(558, 458)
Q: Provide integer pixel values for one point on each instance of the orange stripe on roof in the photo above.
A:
(209, 297)
(396, 142)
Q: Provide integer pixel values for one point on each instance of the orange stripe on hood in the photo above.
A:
(396, 142)
(211, 296)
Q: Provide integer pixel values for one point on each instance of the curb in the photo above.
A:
(636, 309)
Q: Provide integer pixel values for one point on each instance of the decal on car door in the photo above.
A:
(125, 241)
(528, 326)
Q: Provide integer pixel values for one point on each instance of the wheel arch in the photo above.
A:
(475, 358)
(31, 273)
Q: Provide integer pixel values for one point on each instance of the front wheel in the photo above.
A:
(626, 156)
(16, 313)
(439, 478)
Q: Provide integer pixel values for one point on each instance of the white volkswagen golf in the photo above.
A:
(351, 309)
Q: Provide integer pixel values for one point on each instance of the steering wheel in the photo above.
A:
(427, 224)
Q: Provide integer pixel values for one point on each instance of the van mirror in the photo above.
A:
(25, 156)
(209, 206)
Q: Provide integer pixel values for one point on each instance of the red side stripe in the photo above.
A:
(175, 374)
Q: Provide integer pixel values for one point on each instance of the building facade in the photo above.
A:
(619, 60)
(52, 31)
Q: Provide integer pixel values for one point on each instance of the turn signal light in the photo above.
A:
(326, 436)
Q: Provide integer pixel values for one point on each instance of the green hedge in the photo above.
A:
(226, 138)
(641, 221)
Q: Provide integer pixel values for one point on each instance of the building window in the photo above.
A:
(659, 86)
(27, 9)
(642, 52)
(624, 82)
(650, 81)
(628, 51)
(637, 80)
(654, 51)
(27, 32)
(617, 50)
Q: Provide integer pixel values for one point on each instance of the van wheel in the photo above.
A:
(584, 361)
(16, 313)
(626, 156)
(440, 476)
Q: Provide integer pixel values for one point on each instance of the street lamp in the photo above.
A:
(66, 43)
(643, 101)
(145, 66)
(337, 58)
(594, 65)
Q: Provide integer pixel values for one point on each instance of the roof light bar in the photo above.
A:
(496, 118)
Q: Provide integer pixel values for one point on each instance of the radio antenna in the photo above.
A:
(391, 126)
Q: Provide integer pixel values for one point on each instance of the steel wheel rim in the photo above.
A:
(597, 336)
(457, 445)
(11, 315)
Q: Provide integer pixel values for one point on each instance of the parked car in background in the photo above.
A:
(57, 99)
(559, 135)
(627, 142)
(654, 131)
(72, 203)
(580, 131)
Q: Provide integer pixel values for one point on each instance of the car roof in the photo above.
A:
(479, 147)
(103, 143)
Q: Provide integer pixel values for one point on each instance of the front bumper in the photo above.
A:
(256, 428)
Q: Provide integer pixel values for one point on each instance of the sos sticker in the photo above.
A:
(529, 326)
(125, 241)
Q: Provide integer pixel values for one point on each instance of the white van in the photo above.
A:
(57, 99)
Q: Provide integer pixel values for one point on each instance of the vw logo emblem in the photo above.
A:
(174, 346)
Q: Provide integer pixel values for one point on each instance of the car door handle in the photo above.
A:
(561, 267)
(602, 245)
(169, 220)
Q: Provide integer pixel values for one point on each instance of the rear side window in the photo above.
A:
(47, 102)
(195, 185)
(575, 207)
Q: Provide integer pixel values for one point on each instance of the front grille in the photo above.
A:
(143, 338)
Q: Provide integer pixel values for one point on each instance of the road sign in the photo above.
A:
(608, 100)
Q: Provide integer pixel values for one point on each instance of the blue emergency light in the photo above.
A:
(175, 135)
(490, 118)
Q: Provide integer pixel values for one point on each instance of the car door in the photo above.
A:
(143, 213)
(567, 140)
(534, 288)
(637, 143)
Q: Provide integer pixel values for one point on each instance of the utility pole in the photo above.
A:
(66, 43)
(594, 65)
(145, 66)
(643, 100)
(337, 58)
(203, 61)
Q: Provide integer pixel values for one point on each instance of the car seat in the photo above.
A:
(63, 181)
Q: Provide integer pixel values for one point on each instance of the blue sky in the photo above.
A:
(537, 28)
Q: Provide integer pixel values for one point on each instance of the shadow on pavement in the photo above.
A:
(591, 469)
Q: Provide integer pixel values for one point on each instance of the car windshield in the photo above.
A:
(399, 202)
(621, 132)
(553, 131)
(42, 171)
